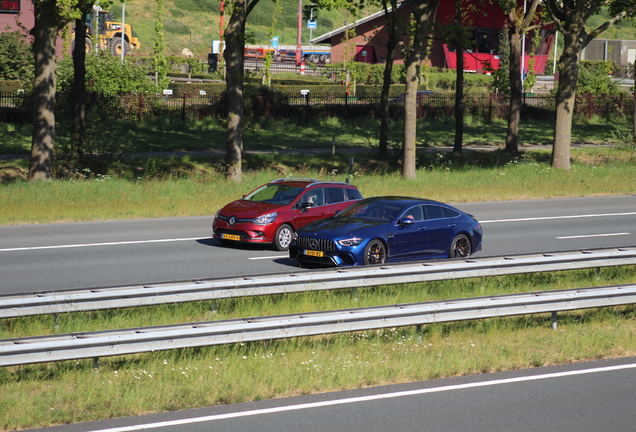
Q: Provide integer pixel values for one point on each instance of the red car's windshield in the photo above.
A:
(275, 194)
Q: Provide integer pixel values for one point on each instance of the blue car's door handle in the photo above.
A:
(422, 228)
(452, 225)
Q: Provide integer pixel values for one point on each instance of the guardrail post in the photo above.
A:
(214, 306)
(418, 331)
(96, 362)
(354, 293)
(554, 320)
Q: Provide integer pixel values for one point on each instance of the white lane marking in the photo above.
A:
(592, 235)
(100, 244)
(365, 399)
(203, 238)
(269, 257)
(558, 217)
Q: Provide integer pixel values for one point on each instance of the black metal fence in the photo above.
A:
(16, 107)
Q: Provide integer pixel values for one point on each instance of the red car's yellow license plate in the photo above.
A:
(314, 253)
(230, 237)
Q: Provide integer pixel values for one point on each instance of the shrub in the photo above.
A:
(16, 56)
(106, 75)
(595, 78)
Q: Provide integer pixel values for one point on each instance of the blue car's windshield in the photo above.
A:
(374, 211)
(274, 194)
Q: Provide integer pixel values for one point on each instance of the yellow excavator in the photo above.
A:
(108, 34)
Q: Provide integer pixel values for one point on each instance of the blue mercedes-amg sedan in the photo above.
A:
(384, 229)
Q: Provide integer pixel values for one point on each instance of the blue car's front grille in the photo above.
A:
(315, 244)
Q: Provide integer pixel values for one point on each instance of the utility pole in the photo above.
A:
(123, 31)
(298, 39)
(221, 26)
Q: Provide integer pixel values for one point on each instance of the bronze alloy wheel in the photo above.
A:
(375, 253)
(460, 247)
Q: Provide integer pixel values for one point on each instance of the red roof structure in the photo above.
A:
(368, 44)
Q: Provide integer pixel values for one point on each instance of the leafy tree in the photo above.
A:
(269, 59)
(501, 77)
(459, 35)
(233, 54)
(395, 30)
(79, 81)
(570, 18)
(16, 55)
(517, 24)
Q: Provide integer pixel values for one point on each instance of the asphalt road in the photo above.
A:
(50, 257)
(580, 397)
(583, 397)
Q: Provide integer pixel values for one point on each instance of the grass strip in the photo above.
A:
(75, 391)
(194, 187)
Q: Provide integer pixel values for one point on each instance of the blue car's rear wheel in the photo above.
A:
(460, 247)
(375, 253)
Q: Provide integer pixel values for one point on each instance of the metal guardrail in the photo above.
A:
(73, 346)
(19, 305)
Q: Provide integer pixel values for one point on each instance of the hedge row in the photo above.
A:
(439, 82)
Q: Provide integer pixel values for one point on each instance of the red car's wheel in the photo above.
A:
(283, 237)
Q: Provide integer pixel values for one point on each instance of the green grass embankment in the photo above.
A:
(76, 391)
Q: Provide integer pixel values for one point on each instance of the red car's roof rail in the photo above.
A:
(313, 181)
(294, 179)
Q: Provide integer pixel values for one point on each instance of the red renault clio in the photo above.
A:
(273, 212)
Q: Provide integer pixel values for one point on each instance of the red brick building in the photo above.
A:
(19, 15)
(369, 43)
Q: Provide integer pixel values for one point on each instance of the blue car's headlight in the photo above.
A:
(265, 219)
(351, 242)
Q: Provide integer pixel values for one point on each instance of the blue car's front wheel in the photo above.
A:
(375, 253)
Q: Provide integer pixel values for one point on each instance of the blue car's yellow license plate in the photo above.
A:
(314, 253)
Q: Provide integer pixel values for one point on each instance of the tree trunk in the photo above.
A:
(79, 87)
(43, 135)
(234, 63)
(517, 22)
(410, 121)
(422, 11)
(565, 99)
(459, 86)
(391, 45)
(460, 104)
(634, 109)
(516, 88)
